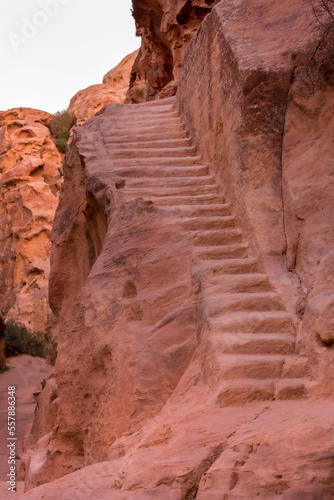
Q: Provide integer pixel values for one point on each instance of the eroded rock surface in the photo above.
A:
(30, 181)
(184, 321)
(268, 143)
(204, 322)
(166, 28)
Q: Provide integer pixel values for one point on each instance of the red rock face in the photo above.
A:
(166, 28)
(194, 309)
(30, 181)
(265, 161)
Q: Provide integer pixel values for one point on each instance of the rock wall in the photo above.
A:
(145, 414)
(308, 207)
(111, 265)
(165, 27)
(262, 136)
(30, 181)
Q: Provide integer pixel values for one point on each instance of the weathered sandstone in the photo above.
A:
(119, 77)
(30, 181)
(166, 28)
(265, 161)
(208, 453)
(89, 101)
(186, 323)
(193, 308)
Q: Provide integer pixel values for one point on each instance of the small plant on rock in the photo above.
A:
(20, 340)
(60, 127)
(318, 71)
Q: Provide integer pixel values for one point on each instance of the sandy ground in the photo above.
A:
(26, 373)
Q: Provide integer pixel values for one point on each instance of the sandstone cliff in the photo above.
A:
(192, 277)
(30, 180)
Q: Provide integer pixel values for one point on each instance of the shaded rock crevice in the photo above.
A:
(166, 28)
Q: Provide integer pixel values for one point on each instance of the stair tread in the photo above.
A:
(203, 178)
(252, 338)
(242, 295)
(155, 143)
(255, 382)
(251, 358)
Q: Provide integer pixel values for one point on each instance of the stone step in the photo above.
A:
(242, 391)
(253, 343)
(236, 366)
(158, 172)
(187, 211)
(290, 388)
(239, 283)
(257, 301)
(156, 191)
(150, 110)
(167, 101)
(140, 136)
(251, 322)
(295, 367)
(202, 223)
(179, 202)
(186, 161)
(149, 144)
(149, 130)
(157, 115)
(213, 268)
(124, 123)
(126, 153)
(166, 182)
(223, 252)
(217, 237)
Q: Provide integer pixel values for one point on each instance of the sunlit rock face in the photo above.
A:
(30, 182)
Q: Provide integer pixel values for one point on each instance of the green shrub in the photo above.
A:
(60, 127)
(61, 145)
(20, 340)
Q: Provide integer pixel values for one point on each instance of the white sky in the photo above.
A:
(75, 43)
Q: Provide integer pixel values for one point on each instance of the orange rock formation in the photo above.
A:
(192, 275)
(30, 180)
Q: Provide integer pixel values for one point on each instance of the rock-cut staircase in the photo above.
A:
(251, 337)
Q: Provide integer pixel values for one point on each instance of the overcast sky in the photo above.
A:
(51, 49)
